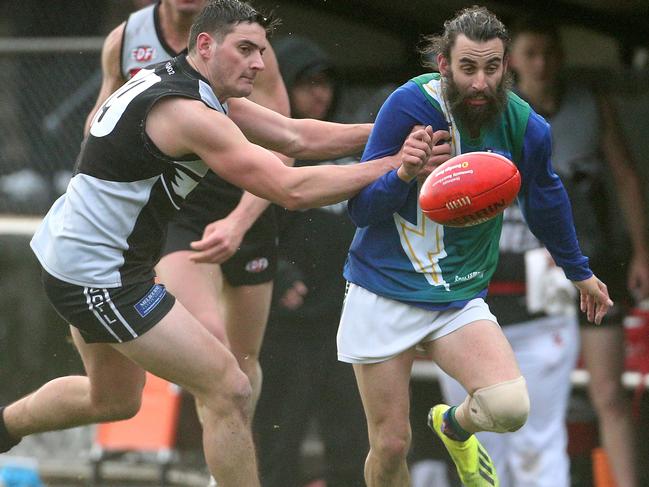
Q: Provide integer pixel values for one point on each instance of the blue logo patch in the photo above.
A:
(145, 305)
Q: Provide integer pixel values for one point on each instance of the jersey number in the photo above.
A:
(111, 111)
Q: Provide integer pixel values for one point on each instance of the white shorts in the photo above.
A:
(375, 329)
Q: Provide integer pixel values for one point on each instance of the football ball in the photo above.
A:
(469, 189)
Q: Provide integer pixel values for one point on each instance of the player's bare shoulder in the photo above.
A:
(112, 50)
(179, 125)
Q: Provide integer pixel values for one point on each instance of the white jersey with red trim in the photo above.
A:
(142, 41)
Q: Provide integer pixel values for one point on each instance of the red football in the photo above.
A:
(469, 189)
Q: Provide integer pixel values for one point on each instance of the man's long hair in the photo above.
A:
(476, 23)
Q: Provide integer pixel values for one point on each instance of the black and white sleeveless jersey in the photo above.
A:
(108, 228)
(143, 44)
(142, 41)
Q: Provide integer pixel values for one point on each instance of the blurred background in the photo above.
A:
(49, 78)
(50, 66)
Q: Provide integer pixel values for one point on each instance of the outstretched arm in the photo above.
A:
(630, 197)
(181, 126)
(222, 238)
(110, 68)
(300, 138)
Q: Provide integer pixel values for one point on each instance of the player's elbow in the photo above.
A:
(285, 194)
(294, 147)
(294, 199)
(291, 190)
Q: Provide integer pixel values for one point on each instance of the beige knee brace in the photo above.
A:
(500, 408)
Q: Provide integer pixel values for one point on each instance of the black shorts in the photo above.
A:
(614, 275)
(109, 315)
(255, 262)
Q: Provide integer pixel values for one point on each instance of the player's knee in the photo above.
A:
(232, 394)
(117, 409)
(392, 449)
(501, 408)
(249, 364)
(240, 391)
(117, 403)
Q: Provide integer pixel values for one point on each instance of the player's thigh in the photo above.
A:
(197, 286)
(385, 393)
(247, 309)
(113, 377)
(180, 349)
(477, 355)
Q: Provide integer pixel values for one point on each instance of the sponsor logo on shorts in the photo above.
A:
(145, 305)
(257, 265)
(99, 302)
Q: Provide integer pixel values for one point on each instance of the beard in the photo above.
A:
(476, 116)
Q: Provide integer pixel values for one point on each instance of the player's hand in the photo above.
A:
(593, 299)
(441, 148)
(293, 298)
(638, 278)
(415, 152)
(441, 152)
(220, 241)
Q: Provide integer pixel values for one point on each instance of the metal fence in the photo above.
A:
(47, 88)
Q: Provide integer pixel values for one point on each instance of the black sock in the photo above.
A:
(7, 442)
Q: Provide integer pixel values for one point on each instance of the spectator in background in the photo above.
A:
(303, 381)
(585, 159)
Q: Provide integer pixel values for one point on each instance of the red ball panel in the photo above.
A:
(469, 189)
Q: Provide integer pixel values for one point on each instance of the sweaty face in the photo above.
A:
(475, 80)
(236, 60)
(536, 58)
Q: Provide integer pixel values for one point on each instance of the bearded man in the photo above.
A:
(415, 283)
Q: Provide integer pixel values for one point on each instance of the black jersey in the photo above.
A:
(108, 228)
(142, 44)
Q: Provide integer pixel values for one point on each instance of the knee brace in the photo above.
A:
(500, 408)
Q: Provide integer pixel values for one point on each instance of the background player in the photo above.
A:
(588, 161)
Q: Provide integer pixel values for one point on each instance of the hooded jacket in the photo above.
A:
(299, 58)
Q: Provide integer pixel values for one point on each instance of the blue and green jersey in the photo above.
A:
(399, 253)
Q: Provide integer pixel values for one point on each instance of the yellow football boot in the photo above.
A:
(473, 464)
